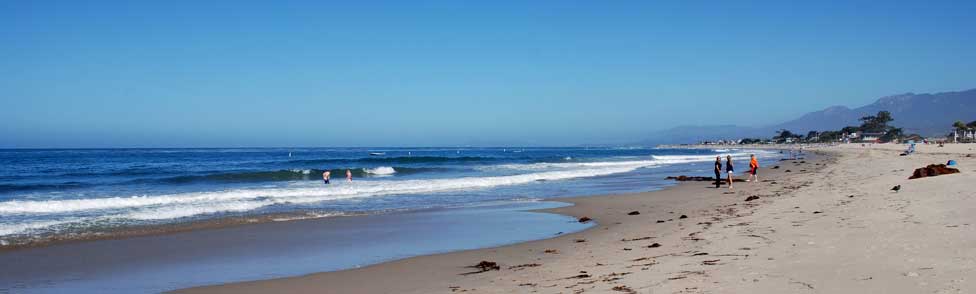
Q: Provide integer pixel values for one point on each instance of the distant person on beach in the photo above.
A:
(729, 169)
(718, 172)
(325, 176)
(753, 168)
(348, 175)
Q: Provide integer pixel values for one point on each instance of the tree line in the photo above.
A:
(877, 124)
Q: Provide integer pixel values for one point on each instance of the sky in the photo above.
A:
(454, 73)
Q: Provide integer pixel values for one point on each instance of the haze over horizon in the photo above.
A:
(304, 73)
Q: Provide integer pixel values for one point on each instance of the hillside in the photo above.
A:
(925, 114)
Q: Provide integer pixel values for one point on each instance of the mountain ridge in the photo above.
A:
(926, 114)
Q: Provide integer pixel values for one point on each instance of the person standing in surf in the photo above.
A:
(718, 172)
(349, 175)
(729, 169)
(325, 176)
(753, 168)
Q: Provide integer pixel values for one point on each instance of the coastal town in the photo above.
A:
(874, 129)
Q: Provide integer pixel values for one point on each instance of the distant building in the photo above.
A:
(913, 137)
(963, 136)
(850, 137)
(871, 137)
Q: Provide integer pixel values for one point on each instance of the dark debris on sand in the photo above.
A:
(483, 266)
(579, 276)
(624, 289)
(933, 170)
(697, 179)
(521, 266)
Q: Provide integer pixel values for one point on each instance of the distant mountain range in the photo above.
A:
(925, 114)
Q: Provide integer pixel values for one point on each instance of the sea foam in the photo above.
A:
(31, 215)
(383, 170)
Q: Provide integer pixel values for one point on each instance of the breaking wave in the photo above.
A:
(182, 205)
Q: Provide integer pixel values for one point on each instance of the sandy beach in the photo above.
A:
(826, 224)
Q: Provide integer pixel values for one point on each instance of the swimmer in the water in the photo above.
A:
(325, 176)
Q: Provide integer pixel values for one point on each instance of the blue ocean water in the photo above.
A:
(51, 192)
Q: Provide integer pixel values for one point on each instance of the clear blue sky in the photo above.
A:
(404, 73)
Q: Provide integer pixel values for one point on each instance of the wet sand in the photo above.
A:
(828, 224)
(151, 264)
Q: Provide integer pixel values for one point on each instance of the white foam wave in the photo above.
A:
(653, 160)
(310, 215)
(738, 155)
(383, 170)
(192, 204)
(19, 228)
(181, 205)
(140, 214)
(180, 211)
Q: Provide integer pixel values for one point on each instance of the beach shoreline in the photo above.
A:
(110, 209)
(817, 226)
(671, 210)
(140, 248)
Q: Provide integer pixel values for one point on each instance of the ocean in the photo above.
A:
(401, 202)
(61, 192)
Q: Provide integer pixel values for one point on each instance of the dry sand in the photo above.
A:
(830, 225)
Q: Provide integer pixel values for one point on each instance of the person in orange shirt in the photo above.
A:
(753, 168)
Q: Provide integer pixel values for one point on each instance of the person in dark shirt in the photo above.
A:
(729, 169)
(718, 172)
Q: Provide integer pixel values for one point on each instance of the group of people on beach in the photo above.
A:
(328, 174)
(730, 170)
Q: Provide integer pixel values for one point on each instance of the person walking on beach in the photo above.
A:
(348, 175)
(718, 172)
(753, 168)
(325, 176)
(729, 169)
